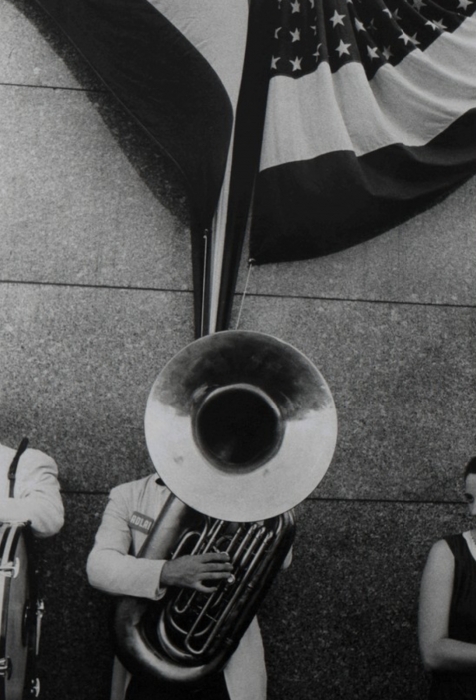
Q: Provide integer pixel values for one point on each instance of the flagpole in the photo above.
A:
(235, 204)
(217, 254)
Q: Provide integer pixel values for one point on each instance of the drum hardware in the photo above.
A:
(35, 688)
(40, 611)
(20, 610)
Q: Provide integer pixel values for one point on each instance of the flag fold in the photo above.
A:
(370, 119)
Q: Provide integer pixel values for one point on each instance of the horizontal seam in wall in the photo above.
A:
(80, 492)
(33, 283)
(390, 302)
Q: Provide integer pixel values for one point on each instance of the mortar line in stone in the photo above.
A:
(405, 501)
(82, 492)
(363, 301)
(33, 283)
(392, 302)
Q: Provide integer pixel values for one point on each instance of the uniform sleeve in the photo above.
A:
(110, 567)
(37, 495)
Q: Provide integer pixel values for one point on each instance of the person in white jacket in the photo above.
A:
(30, 491)
(113, 568)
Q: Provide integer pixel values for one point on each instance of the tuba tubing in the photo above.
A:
(133, 647)
(142, 642)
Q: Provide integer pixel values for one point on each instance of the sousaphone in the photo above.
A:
(241, 427)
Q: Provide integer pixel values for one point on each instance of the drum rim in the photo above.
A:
(21, 530)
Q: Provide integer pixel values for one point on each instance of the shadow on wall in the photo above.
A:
(154, 168)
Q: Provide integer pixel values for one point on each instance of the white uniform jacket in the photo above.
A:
(36, 495)
(113, 568)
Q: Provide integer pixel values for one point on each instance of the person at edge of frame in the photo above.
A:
(29, 490)
(112, 567)
(447, 610)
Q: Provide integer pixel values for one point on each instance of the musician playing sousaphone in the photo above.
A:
(113, 567)
(240, 427)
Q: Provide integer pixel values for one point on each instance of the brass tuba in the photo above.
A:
(241, 427)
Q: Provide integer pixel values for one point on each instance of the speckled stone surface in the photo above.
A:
(430, 259)
(339, 623)
(75, 648)
(79, 364)
(77, 368)
(403, 379)
(29, 46)
(75, 207)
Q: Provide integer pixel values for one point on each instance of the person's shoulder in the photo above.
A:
(30, 459)
(136, 487)
(6, 454)
(441, 545)
(441, 551)
(36, 457)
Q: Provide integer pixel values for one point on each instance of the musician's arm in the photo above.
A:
(110, 567)
(37, 495)
(113, 570)
(439, 652)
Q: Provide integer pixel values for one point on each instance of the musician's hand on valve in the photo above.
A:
(190, 571)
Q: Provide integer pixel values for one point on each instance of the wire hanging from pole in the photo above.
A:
(251, 261)
(204, 278)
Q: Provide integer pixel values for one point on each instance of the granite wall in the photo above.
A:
(96, 295)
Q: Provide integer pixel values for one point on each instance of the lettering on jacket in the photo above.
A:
(140, 522)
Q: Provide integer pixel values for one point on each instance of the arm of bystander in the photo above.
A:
(439, 652)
